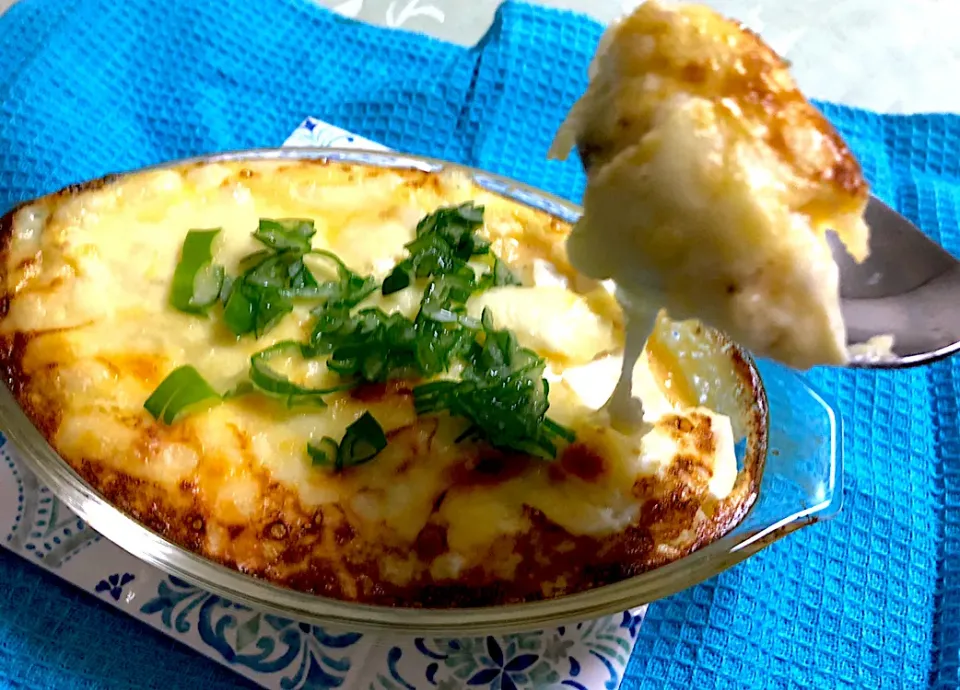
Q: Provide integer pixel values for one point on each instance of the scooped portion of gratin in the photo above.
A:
(376, 384)
(712, 183)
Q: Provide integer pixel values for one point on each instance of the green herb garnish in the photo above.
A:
(502, 393)
(498, 276)
(361, 442)
(446, 240)
(262, 295)
(348, 290)
(275, 277)
(182, 390)
(375, 346)
(444, 243)
(252, 309)
(289, 234)
(196, 280)
(268, 380)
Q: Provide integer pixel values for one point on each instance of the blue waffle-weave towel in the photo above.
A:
(87, 87)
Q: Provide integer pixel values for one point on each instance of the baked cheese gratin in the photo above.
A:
(711, 184)
(376, 384)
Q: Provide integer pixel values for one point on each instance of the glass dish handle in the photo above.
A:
(802, 479)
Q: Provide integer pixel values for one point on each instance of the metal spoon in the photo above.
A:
(909, 288)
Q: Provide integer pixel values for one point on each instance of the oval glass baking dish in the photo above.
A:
(797, 483)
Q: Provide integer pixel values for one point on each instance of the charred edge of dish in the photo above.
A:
(49, 200)
(187, 525)
(66, 192)
(624, 555)
(46, 418)
(754, 405)
(593, 562)
(10, 354)
(6, 237)
(78, 188)
(144, 502)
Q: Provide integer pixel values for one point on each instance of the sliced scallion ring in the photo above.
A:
(182, 390)
(363, 440)
(286, 234)
(238, 310)
(241, 389)
(195, 256)
(267, 380)
(207, 283)
(324, 453)
(557, 429)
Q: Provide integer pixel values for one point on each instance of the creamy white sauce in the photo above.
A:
(626, 409)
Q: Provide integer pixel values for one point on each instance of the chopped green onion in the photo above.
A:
(445, 298)
(238, 310)
(557, 429)
(398, 280)
(269, 381)
(271, 272)
(183, 389)
(226, 289)
(196, 256)
(446, 239)
(251, 261)
(286, 234)
(241, 389)
(499, 275)
(207, 284)
(250, 309)
(350, 289)
(457, 225)
(324, 452)
(362, 442)
(502, 394)
(271, 306)
(272, 281)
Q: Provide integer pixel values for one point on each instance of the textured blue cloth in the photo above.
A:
(87, 87)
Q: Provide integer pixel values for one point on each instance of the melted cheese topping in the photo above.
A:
(88, 279)
(711, 184)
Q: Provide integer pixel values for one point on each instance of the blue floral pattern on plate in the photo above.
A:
(42, 526)
(307, 655)
(583, 656)
(114, 584)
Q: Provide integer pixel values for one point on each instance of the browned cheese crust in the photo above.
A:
(324, 546)
(693, 50)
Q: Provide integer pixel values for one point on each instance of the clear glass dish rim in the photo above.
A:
(150, 547)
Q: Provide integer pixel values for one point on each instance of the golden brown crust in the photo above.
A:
(318, 550)
(690, 49)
